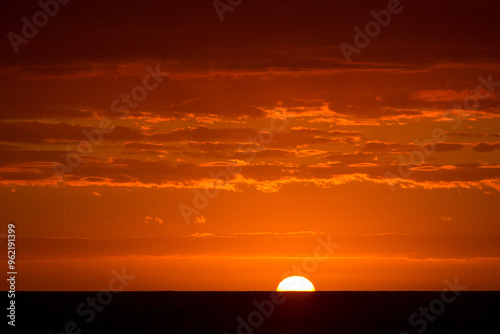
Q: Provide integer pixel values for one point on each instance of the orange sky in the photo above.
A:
(116, 117)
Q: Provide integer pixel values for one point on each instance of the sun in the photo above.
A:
(295, 283)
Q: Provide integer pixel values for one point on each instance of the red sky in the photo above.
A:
(378, 154)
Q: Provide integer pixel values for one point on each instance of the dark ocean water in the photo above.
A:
(255, 312)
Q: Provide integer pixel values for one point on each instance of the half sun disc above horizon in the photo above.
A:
(295, 283)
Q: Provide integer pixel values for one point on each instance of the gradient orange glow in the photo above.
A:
(224, 155)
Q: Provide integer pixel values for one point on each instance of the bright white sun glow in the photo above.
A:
(295, 283)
